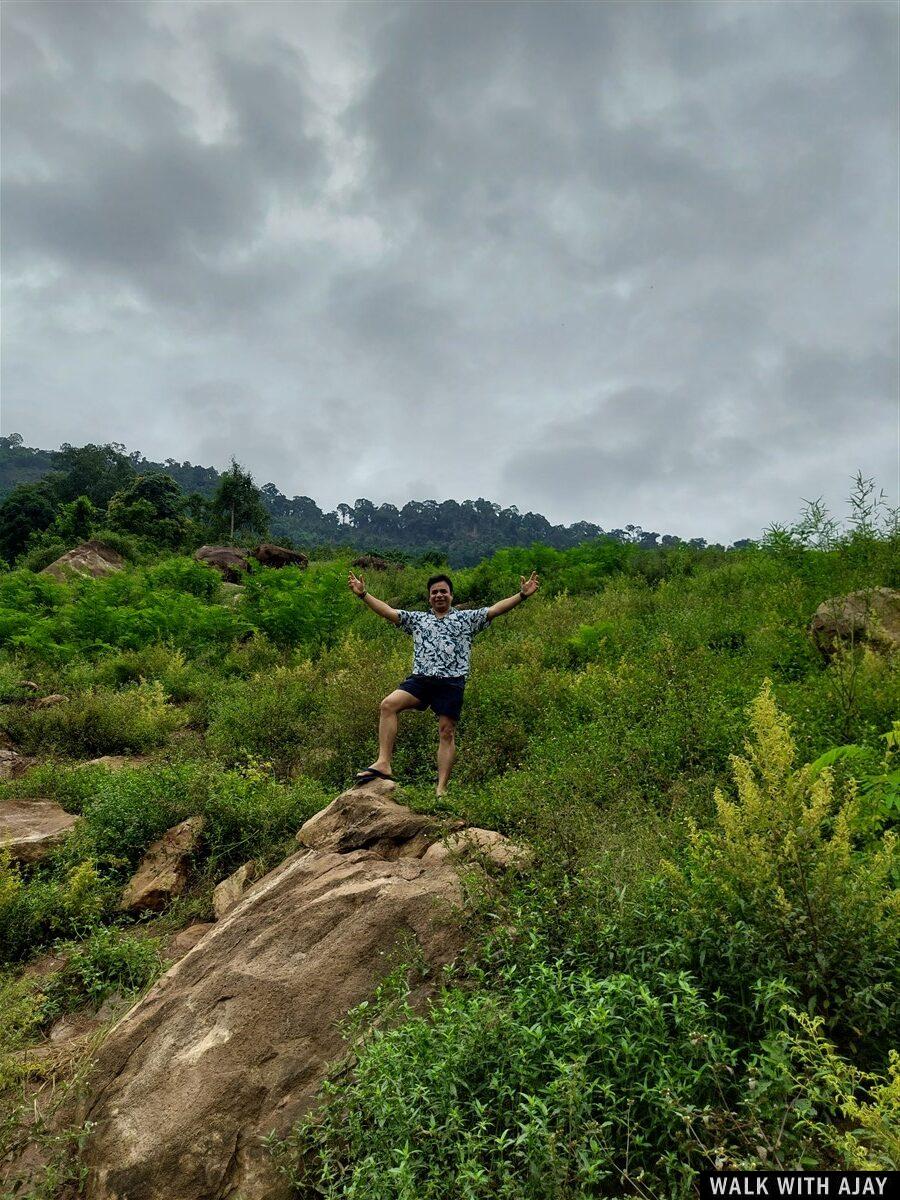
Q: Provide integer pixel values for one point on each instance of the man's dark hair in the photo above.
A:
(439, 579)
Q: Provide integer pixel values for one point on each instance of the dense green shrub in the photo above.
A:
(37, 909)
(97, 722)
(299, 608)
(788, 882)
(247, 814)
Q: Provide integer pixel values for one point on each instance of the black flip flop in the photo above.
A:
(371, 773)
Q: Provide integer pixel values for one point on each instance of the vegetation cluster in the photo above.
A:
(699, 970)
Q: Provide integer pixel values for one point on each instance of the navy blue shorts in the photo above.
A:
(443, 694)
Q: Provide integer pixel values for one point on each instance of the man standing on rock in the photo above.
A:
(442, 640)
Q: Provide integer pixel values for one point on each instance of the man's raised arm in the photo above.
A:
(358, 587)
(527, 587)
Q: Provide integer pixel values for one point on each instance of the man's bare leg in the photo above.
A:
(387, 726)
(446, 752)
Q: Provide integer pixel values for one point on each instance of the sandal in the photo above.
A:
(369, 774)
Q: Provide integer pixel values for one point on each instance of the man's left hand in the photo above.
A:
(527, 587)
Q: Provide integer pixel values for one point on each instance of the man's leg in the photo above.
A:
(387, 725)
(446, 752)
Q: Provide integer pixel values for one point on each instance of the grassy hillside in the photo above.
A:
(701, 966)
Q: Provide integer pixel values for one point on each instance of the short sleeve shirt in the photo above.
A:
(441, 645)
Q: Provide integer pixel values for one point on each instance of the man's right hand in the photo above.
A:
(357, 586)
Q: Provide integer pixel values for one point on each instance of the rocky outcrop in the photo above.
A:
(268, 555)
(90, 558)
(29, 829)
(871, 616)
(234, 1041)
(164, 869)
(229, 561)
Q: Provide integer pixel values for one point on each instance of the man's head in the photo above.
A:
(440, 593)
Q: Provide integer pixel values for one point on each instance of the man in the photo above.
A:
(442, 640)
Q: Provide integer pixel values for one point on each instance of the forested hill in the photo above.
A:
(461, 532)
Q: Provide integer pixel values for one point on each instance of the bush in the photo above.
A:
(36, 910)
(108, 961)
(294, 607)
(97, 722)
(247, 814)
(781, 885)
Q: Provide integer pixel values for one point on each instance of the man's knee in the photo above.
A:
(448, 731)
(387, 706)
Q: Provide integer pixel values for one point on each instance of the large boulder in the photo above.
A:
(871, 616)
(164, 869)
(229, 561)
(235, 1040)
(278, 556)
(90, 558)
(29, 829)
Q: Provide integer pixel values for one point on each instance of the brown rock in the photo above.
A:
(90, 558)
(230, 561)
(229, 893)
(29, 684)
(871, 616)
(164, 869)
(234, 1040)
(118, 762)
(372, 562)
(45, 964)
(13, 764)
(479, 846)
(29, 829)
(51, 701)
(187, 939)
(278, 556)
(365, 819)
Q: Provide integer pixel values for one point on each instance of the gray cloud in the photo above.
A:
(616, 262)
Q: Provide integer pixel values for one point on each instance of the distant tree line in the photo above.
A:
(52, 497)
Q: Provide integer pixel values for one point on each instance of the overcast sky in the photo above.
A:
(615, 262)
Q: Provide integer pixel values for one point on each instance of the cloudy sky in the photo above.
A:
(616, 262)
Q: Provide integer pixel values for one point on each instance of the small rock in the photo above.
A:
(112, 1007)
(45, 964)
(74, 1026)
(229, 893)
(27, 683)
(476, 845)
(117, 762)
(871, 616)
(29, 829)
(13, 764)
(51, 701)
(187, 939)
(164, 869)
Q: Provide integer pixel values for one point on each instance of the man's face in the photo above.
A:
(440, 598)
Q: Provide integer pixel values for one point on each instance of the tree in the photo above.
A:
(29, 508)
(153, 507)
(97, 472)
(237, 504)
